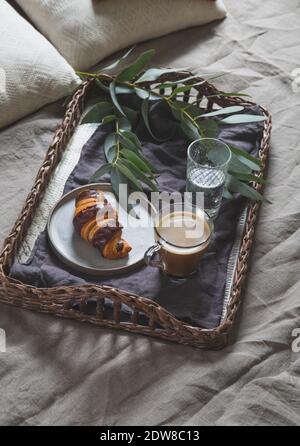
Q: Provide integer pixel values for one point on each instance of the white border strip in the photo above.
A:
(233, 260)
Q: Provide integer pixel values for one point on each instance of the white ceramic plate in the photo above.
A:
(81, 255)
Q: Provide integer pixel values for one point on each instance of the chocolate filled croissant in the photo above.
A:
(96, 221)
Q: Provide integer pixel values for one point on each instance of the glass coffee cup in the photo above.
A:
(183, 234)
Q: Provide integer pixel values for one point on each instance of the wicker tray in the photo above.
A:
(60, 301)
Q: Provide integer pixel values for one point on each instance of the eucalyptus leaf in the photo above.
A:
(144, 94)
(150, 166)
(117, 178)
(178, 81)
(140, 175)
(113, 95)
(191, 109)
(145, 115)
(134, 69)
(124, 123)
(189, 128)
(246, 158)
(123, 89)
(180, 105)
(128, 143)
(212, 77)
(249, 163)
(249, 178)
(105, 168)
(108, 119)
(176, 113)
(111, 154)
(97, 113)
(128, 174)
(223, 111)
(136, 160)
(223, 93)
(236, 165)
(184, 88)
(110, 147)
(110, 140)
(235, 185)
(133, 138)
(208, 128)
(117, 62)
(131, 115)
(155, 73)
(188, 87)
(241, 119)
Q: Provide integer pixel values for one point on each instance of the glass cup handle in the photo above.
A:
(150, 253)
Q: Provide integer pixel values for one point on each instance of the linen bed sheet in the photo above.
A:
(62, 372)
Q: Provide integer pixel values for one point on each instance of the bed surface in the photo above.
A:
(62, 372)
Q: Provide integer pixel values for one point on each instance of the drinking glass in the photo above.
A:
(207, 167)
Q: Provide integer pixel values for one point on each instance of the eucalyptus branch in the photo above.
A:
(133, 85)
(124, 150)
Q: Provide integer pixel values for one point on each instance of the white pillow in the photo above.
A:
(86, 31)
(32, 72)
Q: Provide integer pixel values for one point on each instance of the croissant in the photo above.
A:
(96, 221)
